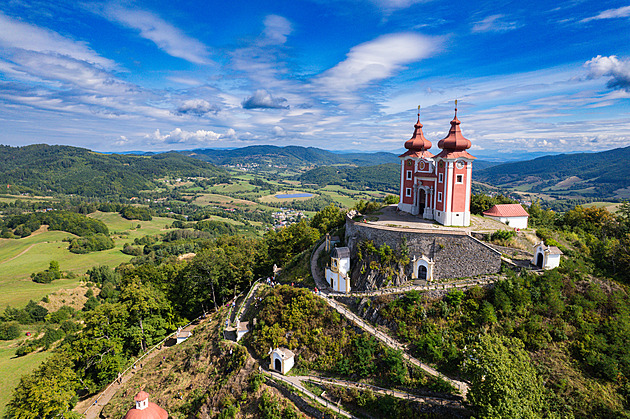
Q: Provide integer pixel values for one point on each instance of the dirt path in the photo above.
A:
(295, 382)
(439, 401)
(19, 254)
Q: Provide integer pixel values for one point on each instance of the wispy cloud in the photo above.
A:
(277, 28)
(618, 71)
(610, 14)
(393, 5)
(164, 35)
(376, 60)
(494, 23)
(18, 35)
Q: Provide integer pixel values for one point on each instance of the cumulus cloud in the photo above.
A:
(494, 23)
(196, 107)
(165, 36)
(178, 135)
(618, 71)
(276, 29)
(377, 60)
(262, 99)
(610, 14)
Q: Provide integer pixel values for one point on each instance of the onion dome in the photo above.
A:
(418, 142)
(454, 141)
(145, 409)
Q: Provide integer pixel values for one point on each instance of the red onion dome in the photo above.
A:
(454, 140)
(418, 142)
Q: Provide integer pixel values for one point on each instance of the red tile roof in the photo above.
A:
(507, 210)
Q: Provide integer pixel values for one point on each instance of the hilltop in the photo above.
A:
(46, 169)
(599, 175)
(295, 156)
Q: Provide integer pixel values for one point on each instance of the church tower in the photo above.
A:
(454, 178)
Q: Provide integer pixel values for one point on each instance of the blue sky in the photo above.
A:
(533, 76)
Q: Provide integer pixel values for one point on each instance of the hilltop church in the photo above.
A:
(437, 187)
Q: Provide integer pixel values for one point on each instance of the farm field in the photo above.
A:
(272, 197)
(213, 198)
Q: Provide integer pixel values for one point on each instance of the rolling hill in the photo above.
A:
(46, 169)
(602, 175)
(290, 156)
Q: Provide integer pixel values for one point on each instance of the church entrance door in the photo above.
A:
(278, 365)
(421, 199)
(539, 260)
(422, 272)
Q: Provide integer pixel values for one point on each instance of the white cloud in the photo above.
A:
(610, 14)
(618, 71)
(277, 29)
(196, 107)
(494, 23)
(391, 5)
(278, 132)
(181, 136)
(18, 35)
(376, 60)
(167, 37)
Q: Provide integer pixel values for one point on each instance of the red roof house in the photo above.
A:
(513, 215)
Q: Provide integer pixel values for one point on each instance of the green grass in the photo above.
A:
(21, 257)
(12, 369)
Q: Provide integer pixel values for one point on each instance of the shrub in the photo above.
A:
(9, 331)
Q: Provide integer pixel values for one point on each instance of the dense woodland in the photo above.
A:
(46, 170)
(383, 177)
(291, 156)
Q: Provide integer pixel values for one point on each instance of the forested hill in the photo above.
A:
(597, 174)
(45, 169)
(383, 177)
(291, 156)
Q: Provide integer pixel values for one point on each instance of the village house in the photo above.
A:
(513, 215)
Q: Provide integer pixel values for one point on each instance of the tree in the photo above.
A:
(47, 392)
(328, 219)
(504, 381)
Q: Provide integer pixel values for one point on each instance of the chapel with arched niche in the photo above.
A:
(437, 187)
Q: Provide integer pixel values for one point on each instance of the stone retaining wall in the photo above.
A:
(455, 253)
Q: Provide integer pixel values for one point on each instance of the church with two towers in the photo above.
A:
(437, 187)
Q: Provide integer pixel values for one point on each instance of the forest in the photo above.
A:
(45, 170)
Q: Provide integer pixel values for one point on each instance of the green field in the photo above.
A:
(21, 257)
(12, 369)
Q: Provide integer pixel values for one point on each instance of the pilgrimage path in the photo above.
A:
(438, 401)
(461, 386)
(91, 408)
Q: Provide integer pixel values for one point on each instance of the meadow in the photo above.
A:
(21, 257)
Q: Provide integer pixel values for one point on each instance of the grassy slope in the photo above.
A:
(12, 368)
(39, 249)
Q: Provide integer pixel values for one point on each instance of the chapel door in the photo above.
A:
(278, 365)
(422, 272)
(539, 260)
